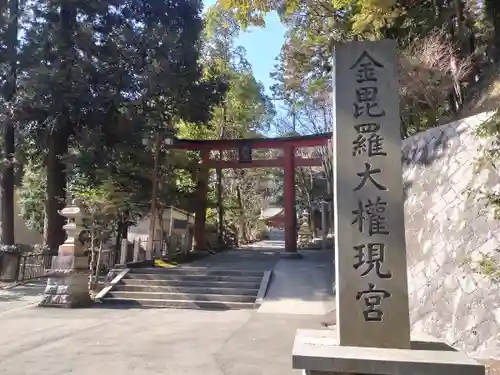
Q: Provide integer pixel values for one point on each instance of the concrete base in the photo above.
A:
(301, 287)
(264, 283)
(68, 287)
(317, 353)
(9, 264)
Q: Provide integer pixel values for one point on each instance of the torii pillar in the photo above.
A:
(289, 197)
(289, 200)
(201, 203)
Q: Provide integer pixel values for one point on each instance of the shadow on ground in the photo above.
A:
(17, 292)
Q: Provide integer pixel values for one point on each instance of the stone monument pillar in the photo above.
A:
(373, 324)
(68, 284)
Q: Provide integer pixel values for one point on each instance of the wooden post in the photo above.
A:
(289, 192)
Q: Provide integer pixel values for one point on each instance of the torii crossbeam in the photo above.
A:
(288, 162)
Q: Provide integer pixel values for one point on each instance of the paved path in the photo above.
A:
(37, 341)
(302, 286)
(257, 258)
(19, 297)
(298, 286)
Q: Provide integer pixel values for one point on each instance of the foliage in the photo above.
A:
(490, 267)
(488, 159)
(32, 196)
(444, 45)
(487, 266)
(97, 78)
(430, 69)
(114, 73)
(245, 112)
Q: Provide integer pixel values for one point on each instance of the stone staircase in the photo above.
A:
(189, 288)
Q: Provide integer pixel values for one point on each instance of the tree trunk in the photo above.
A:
(492, 10)
(125, 225)
(154, 194)
(56, 189)
(7, 236)
(122, 230)
(59, 137)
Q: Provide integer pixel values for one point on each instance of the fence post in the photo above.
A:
(18, 267)
(137, 247)
(24, 268)
(123, 252)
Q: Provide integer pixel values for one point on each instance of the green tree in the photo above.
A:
(9, 15)
(449, 36)
(492, 13)
(114, 70)
(58, 89)
(32, 194)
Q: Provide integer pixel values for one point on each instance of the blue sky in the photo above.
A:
(263, 46)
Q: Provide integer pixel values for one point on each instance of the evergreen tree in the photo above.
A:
(108, 69)
(10, 25)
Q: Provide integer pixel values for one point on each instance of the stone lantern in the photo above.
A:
(68, 283)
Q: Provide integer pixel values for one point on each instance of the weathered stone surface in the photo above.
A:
(67, 289)
(372, 299)
(8, 266)
(448, 232)
(319, 351)
(68, 286)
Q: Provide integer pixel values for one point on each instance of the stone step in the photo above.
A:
(182, 277)
(182, 289)
(178, 304)
(184, 283)
(196, 271)
(181, 296)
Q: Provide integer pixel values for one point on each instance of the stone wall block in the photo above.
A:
(431, 267)
(489, 247)
(467, 284)
(473, 338)
(488, 348)
(418, 282)
(447, 233)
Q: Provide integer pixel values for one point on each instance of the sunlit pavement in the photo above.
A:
(52, 341)
(19, 297)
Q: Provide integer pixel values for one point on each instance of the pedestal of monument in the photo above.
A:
(317, 352)
(68, 283)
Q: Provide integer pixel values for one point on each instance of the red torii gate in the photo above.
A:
(288, 162)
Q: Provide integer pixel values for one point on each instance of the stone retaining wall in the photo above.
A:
(448, 234)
